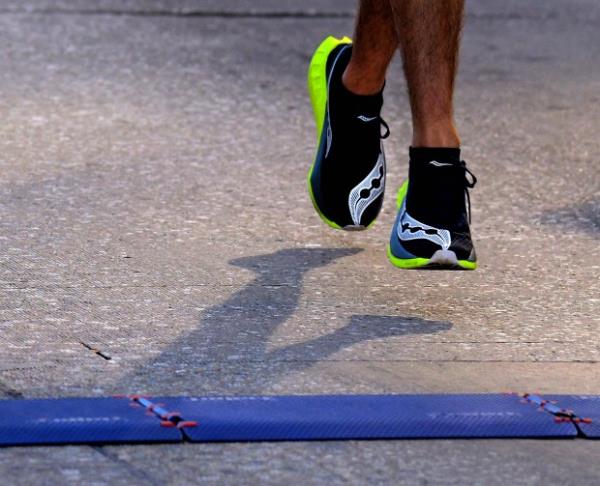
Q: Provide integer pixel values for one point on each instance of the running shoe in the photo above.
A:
(347, 179)
(432, 227)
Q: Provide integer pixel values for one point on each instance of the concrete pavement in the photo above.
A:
(153, 206)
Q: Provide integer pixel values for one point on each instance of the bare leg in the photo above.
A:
(429, 34)
(375, 42)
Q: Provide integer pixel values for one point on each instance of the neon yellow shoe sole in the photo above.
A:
(317, 89)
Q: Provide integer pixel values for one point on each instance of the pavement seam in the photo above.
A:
(135, 472)
(445, 361)
(184, 13)
(241, 14)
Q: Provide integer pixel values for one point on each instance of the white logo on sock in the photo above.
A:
(438, 164)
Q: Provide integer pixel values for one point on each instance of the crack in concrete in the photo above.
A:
(96, 351)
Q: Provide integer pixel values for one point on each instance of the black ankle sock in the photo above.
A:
(369, 105)
(428, 154)
(436, 191)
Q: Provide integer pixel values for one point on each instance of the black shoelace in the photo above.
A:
(469, 183)
(387, 128)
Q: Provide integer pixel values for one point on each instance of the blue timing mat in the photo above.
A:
(585, 410)
(324, 417)
(80, 421)
(365, 417)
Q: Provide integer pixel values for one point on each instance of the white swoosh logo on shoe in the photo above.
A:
(366, 118)
(411, 229)
(357, 202)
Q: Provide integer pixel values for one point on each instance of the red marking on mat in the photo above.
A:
(575, 420)
(187, 423)
(166, 423)
(138, 397)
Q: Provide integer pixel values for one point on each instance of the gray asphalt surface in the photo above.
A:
(153, 206)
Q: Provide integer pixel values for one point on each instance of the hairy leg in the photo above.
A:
(374, 45)
(429, 35)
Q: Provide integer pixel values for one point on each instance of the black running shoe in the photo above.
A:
(432, 226)
(347, 180)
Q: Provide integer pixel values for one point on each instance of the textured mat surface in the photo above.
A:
(364, 417)
(585, 410)
(312, 417)
(80, 420)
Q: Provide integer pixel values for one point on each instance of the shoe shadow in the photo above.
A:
(584, 217)
(361, 328)
(228, 352)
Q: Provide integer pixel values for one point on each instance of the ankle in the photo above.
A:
(361, 82)
(438, 134)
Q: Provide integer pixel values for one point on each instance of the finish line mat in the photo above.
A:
(584, 410)
(79, 421)
(134, 419)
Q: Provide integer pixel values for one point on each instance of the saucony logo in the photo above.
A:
(439, 164)
(411, 229)
(369, 189)
(414, 229)
(366, 119)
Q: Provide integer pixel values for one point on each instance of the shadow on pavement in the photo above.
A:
(229, 349)
(359, 329)
(584, 217)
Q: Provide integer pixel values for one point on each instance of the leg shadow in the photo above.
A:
(241, 327)
(228, 353)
